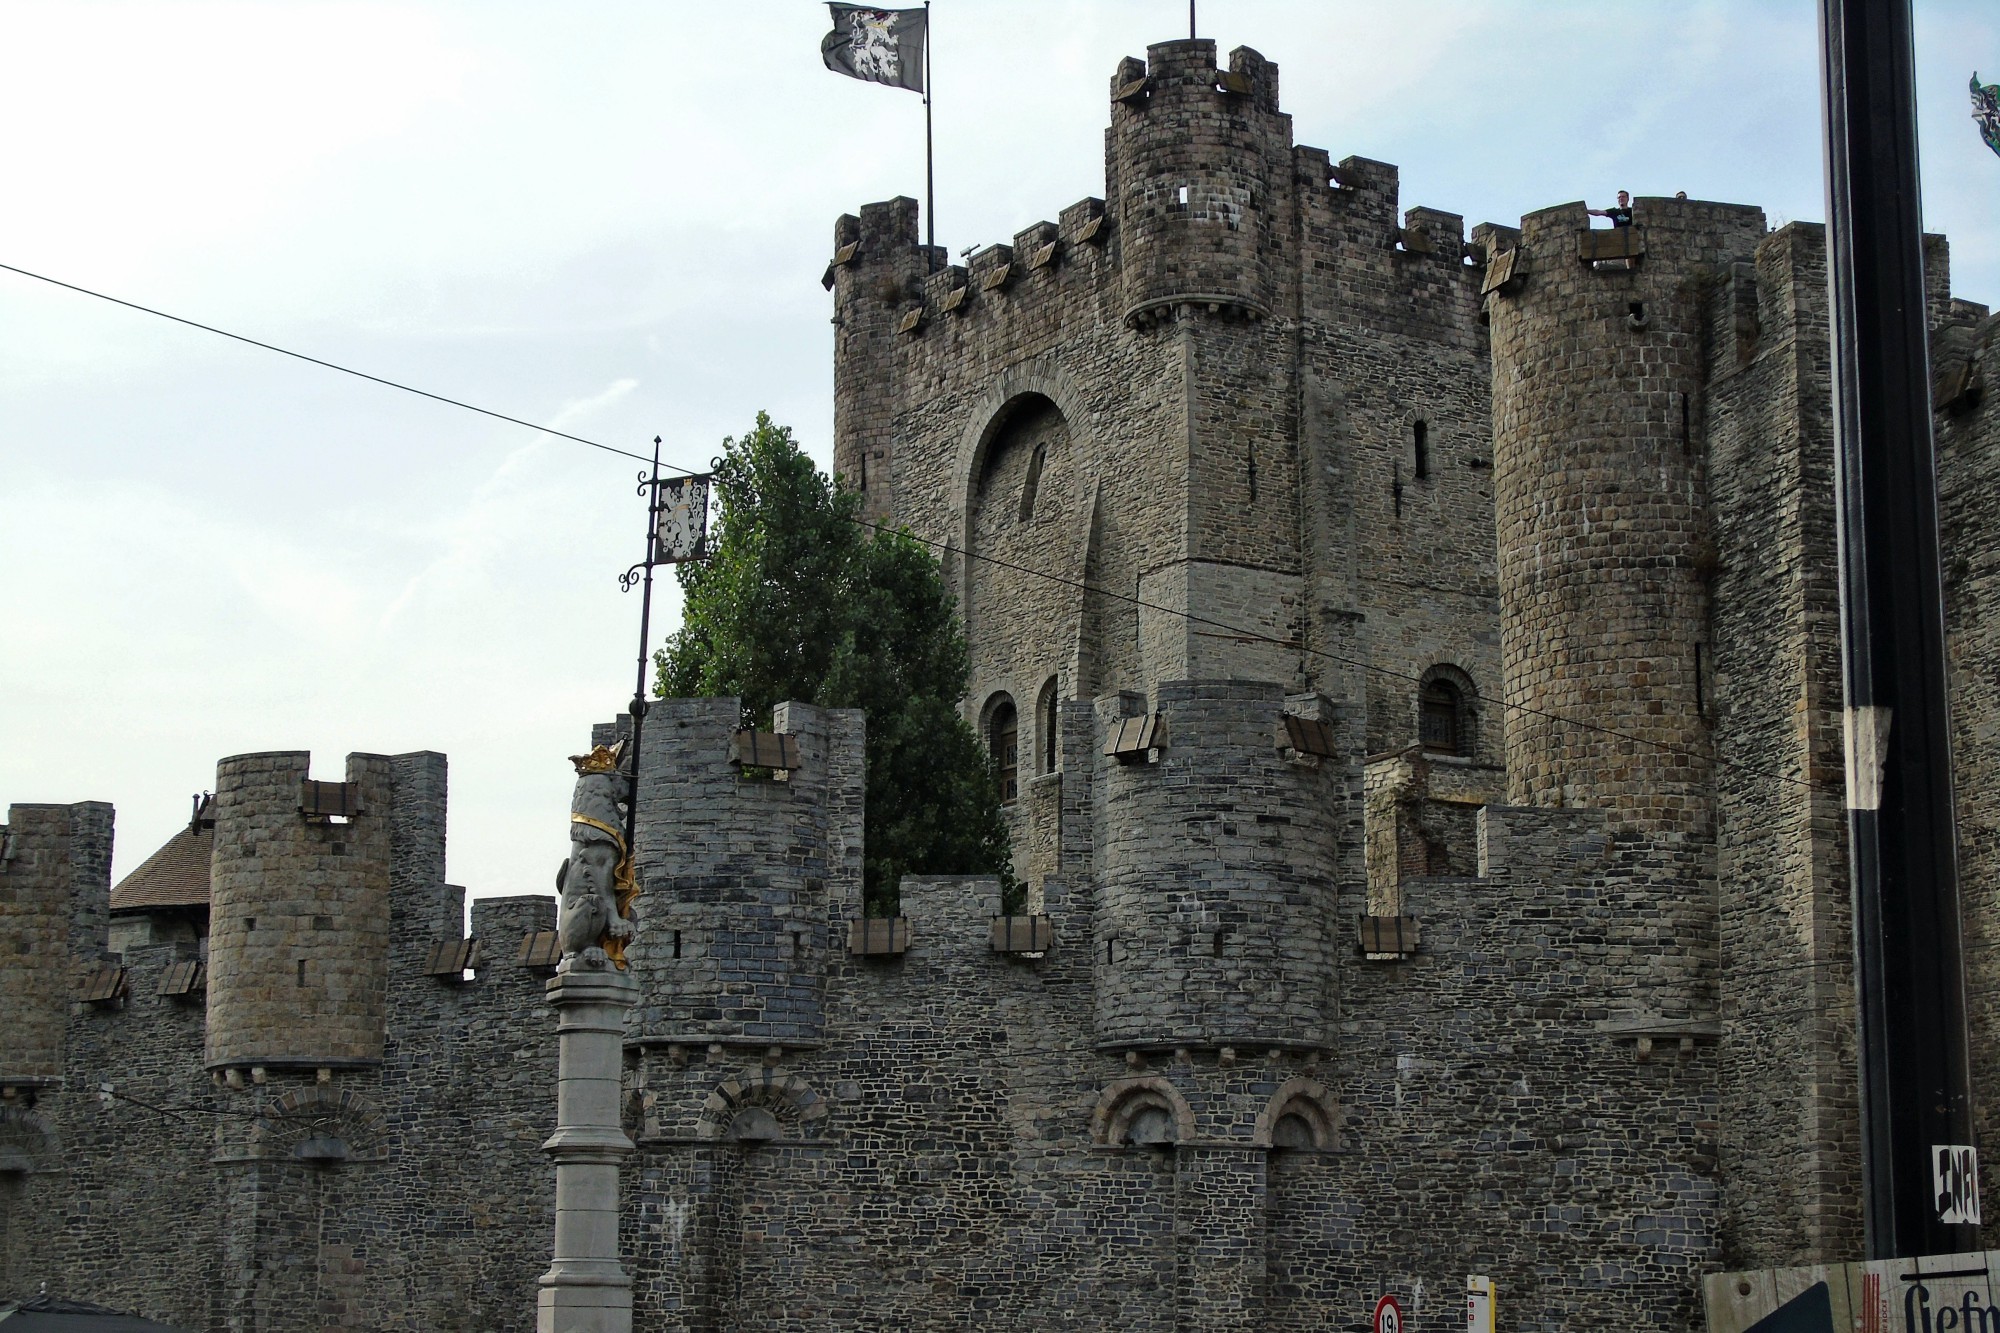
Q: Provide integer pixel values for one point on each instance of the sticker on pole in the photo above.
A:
(1955, 1175)
(1388, 1316)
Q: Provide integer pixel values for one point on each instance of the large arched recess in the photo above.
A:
(1025, 433)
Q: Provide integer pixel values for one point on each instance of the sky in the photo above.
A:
(611, 219)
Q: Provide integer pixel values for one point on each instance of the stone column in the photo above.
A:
(586, 1289)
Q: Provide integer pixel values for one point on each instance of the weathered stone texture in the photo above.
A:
(299, 917)
(180, 1193)
(1249, 458)
(1968, 442)
(55, 879)
(1602, 502)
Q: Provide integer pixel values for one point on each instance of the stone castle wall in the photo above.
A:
(1287, 454)
(1248, 434)
(205, 1198)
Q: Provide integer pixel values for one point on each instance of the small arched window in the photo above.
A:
(1036, 459)
(1439, 706)
(1003, 735)
(1045, 727)
(1293, 1131)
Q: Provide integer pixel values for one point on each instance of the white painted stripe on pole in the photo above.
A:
(1867, 754)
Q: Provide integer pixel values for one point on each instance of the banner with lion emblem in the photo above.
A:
(877, 45)
(1986, 111)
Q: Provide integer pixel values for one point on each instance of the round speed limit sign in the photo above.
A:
(1388, 1316)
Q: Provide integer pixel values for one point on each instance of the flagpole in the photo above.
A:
(1190, 20)
(930, 171)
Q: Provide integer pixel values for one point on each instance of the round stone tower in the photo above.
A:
(1216, 900)
(1601, 497)
(298, 961)
(1196, 159)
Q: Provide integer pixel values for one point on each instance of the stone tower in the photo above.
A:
(1602, 507)
(299, 912)
(1215, 920)
(55, 875)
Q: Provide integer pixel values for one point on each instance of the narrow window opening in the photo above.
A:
(302, 971)
(1250, 471)
(1182, 198)
(1700, 686)
(1033, 483)
(1420, 433)
(864, 470)
(1215, 944)
(249, 923)
(1438, 718)
(1111, 951)
(1003, 742)
(1396, 488)
(1045, 725)
(798, 943)
(1687, 434)
(677, 944)
(1637, 310)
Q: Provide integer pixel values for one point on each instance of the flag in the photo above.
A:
(1986, 111)
(878, 45)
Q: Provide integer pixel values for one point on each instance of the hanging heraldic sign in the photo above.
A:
(680, 521)
(1952, 1293)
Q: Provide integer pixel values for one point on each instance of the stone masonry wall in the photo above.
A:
(55, 865)
(1789, 1145)
(161, 1188)
(299, 916)
(1968, 449)
(1264, 418)
(1214, 889)
(1602, 510)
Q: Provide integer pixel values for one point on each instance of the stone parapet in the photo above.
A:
(749, 876)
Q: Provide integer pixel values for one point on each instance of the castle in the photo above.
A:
(1411, 661)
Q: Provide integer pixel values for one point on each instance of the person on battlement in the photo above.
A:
(1621, 216)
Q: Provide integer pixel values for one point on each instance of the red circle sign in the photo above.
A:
(1388, 1316)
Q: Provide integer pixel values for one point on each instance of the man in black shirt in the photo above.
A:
(1620, 216)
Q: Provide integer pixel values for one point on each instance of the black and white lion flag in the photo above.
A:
(878, 45)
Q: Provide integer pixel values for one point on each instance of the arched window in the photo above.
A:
(1045, 727)
(1293, 1130)
(1003, 734)
(1439, 706)
(1036, 459)
(1420, 437)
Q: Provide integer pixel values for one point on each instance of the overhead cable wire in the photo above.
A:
(1235, 631)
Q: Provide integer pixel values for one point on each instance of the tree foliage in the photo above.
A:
(798, 600)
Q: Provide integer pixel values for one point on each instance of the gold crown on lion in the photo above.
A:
(601, 759)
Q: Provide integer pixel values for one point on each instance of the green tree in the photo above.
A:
(799, 600)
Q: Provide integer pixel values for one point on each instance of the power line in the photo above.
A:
(330, 365)
(1238, 631)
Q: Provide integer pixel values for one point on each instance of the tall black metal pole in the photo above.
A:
(930, 170)
(1190, 20)
(651, 486)
(1916, 1094)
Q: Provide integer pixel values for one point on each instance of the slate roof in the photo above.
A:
(174, 876)
(46, 1315)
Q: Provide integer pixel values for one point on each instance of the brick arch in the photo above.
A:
(788, 1097)
(1308, 1100)
(1121, 1101)
(304, 1113)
